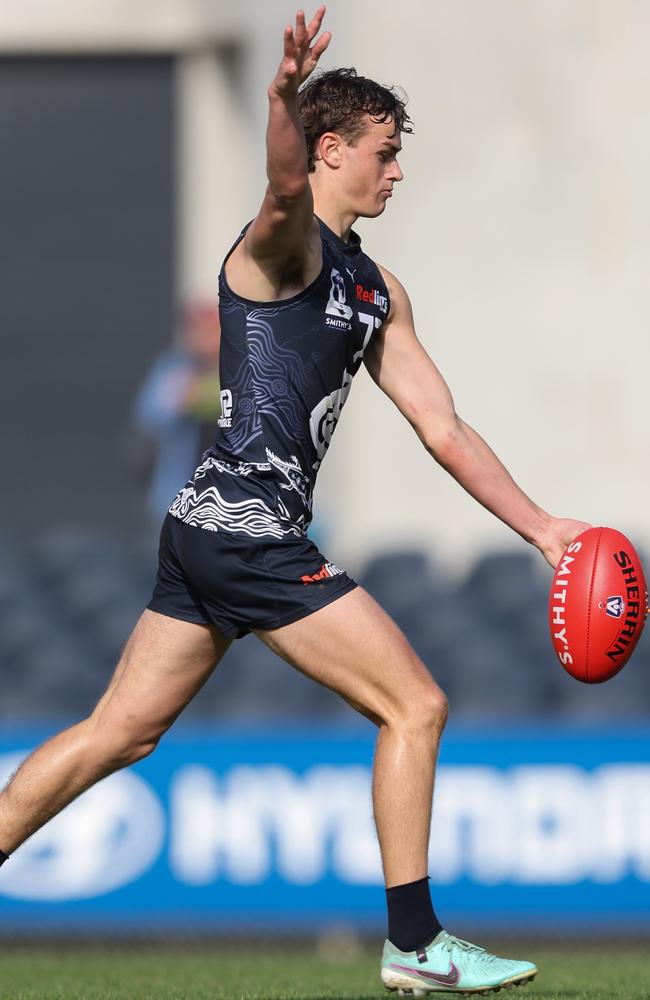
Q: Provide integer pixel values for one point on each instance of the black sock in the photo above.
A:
(3, 857)
(412, 922)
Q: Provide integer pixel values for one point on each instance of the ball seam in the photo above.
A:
(589, 597)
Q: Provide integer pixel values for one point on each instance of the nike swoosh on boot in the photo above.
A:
(450, 978)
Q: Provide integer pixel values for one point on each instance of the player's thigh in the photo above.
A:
(353, 647)
(164, 663)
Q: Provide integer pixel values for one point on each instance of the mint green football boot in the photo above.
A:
(450, 965)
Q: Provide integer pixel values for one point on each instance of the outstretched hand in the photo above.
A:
(559, 536)
(299, 58)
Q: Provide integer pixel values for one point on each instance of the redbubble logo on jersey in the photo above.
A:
(338, 311)
(324, 573)
(225, 420)
(372, 296)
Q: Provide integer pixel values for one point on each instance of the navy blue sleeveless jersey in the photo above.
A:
(286, 369)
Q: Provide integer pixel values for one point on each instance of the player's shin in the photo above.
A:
(49, 779)
(405, 762)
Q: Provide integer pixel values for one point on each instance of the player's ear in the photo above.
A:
(330, 149)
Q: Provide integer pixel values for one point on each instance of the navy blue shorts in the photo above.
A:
(240, 583)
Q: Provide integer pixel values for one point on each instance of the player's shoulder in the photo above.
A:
(399, 298)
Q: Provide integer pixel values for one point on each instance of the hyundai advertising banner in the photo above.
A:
(273, 829)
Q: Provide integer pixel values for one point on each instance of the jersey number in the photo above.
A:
(371, 323)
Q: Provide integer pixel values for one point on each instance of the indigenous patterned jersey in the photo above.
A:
(286, 370)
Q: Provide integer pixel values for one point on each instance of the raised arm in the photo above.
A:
(401, 367)
(281, 249)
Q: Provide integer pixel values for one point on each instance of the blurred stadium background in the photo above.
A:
(132, 153)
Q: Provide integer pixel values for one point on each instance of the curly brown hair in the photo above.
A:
(337, 100)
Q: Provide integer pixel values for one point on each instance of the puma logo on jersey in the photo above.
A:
(373, 296)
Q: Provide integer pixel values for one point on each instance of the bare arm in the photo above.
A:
(283, 241)
(401, 367)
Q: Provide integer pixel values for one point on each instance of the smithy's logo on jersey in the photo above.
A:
(337, 309)
(225, 420)
(373, 296)
(324, 573)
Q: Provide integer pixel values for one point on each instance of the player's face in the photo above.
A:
(370, 168)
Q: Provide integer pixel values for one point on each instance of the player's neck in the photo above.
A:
(337, 219)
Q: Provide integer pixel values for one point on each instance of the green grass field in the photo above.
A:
(608, 972)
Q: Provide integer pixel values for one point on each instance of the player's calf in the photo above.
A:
(164, 664)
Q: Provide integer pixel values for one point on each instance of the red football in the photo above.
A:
(597, 605)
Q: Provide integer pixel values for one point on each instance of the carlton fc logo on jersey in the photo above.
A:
(338, 311)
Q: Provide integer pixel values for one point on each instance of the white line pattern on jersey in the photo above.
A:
(209, 510)
(232, 468)
(296, 479)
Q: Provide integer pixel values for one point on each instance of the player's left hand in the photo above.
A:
(560, 534)
(300, 56)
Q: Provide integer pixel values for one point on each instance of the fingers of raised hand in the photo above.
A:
(314, 25)
(319, 47)
(297, 42)
(301, 36)
(289, 42)
(308, 33)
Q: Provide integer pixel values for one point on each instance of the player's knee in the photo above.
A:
(141, 747)
(429, 712)
(417, 711)
(132, 748)
(443, 709)
(123, 745)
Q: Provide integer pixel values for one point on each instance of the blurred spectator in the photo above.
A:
(177, 406)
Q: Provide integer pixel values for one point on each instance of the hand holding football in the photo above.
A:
(597, 604)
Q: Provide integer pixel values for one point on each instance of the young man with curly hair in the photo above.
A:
(302, 307)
